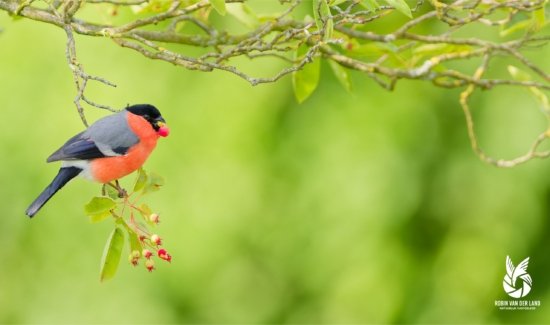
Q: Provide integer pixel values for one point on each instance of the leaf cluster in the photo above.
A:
(131, 218)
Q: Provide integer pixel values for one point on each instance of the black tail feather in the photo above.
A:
(64, 175)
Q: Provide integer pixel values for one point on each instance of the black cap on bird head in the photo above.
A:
(148, 112)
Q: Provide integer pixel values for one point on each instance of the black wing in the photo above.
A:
(107, 137)
(80, 147)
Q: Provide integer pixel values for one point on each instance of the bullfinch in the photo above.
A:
(111, 148)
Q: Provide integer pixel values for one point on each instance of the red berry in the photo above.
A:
(147, 253)
(134, 258)
(163, 131)
(150, 265)
(156, 239)
(163, 254)
(154, 218)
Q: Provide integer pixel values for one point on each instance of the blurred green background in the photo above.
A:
(367, 207)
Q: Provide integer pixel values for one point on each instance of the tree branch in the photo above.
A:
(341, 33)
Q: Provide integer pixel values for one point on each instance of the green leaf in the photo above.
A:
(542, 98)
(141, 180)
(135, 243)
(537, 93)
(219, 6)
(154, 182)
(243, 13)
(429, 50)
(375, 49)
(539, 18)
(305, 81)
(145, 210)
(99, 205)
(307, 19)
(518, 74)
(519, 26)
(321, 12)
(95, 218)
(330, 29)
(371, 5)
(152, 6)
(401, 6)
(111, 192)
(111, 255)
(342, 74)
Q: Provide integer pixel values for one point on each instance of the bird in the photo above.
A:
(111, 148)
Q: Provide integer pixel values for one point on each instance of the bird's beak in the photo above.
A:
(160, 119)
(162, 128)
(159, 122)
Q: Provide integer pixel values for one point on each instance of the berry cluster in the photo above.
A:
(150, 244)
(133, 218)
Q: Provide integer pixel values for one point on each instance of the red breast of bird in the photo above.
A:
(105, 170)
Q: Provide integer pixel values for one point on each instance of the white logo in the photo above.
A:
(512, 274)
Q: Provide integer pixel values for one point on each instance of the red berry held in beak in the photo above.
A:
(163, 131)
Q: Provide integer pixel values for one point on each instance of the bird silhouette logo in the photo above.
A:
(513, 287)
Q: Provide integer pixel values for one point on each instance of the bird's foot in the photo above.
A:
(121, 192)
